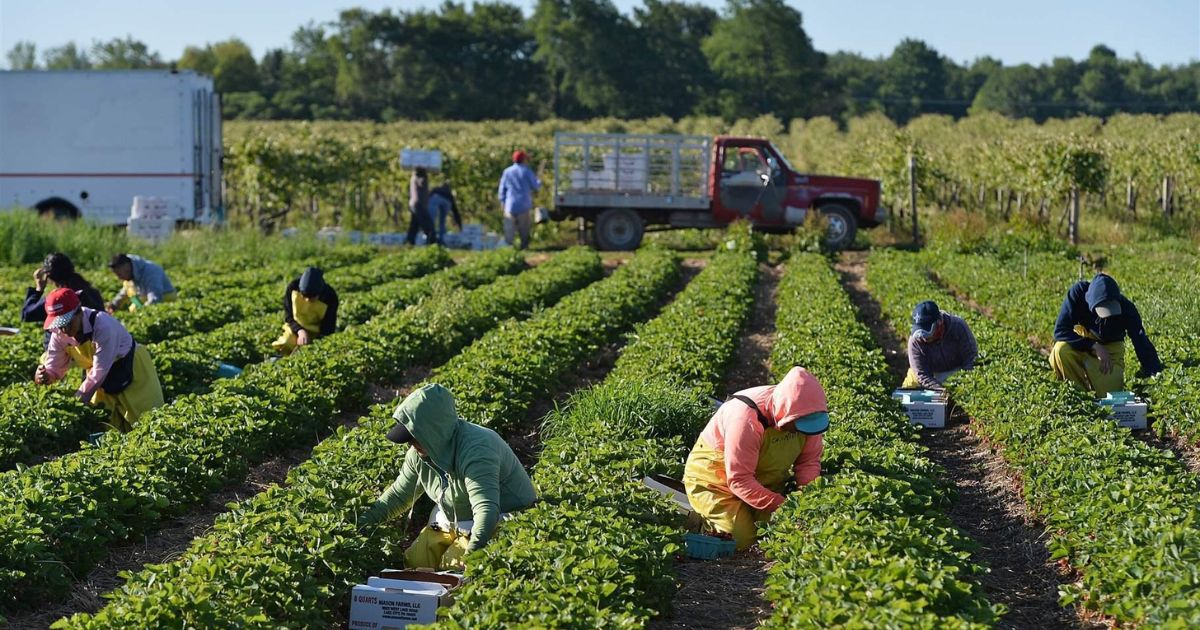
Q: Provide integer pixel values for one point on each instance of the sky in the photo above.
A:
(1014, 31)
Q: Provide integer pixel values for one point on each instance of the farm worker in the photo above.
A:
(442, 205)
(119, 373)
(145, 283)
(1089, 337)
(309, 311)
(468, 471)
(59, 269)
(418, 205)
(517, 185)
(755, 442)
(940, 345)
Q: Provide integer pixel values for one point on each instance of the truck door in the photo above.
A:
(752, 186)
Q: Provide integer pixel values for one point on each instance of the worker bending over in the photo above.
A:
(758, 440)
(59, 269)
(1089, 337)
(143, 283)
(940, 345)
(309, 311)
(119, 373)
(468, 470)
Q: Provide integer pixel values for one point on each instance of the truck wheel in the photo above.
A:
(619, 229)
(57, 208)
(842, 226)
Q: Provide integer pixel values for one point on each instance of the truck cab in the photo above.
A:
(627, 184)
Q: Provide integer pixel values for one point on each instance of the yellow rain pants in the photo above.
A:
(131, 290)
(143, 394)
(308, 314)
(707, 486)
(1083, 368)
(435, 549)
(911, 382)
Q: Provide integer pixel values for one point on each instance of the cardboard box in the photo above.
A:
(670, 488)
(413, 158)
(924, 407)
(397, 599)
(1129, 410)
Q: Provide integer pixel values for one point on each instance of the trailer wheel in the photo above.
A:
(57, 208)
(842, 226)
(619, 229)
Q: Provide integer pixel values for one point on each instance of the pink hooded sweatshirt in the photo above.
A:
(735, 430)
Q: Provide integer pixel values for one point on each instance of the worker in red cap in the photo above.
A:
(119, 373)
(517, 185)
(758, 441)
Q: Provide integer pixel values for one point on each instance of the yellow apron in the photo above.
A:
(131, 291)
(308, 314)
(435, 549)
(707, 485)
(1083, 368)
(143, 394)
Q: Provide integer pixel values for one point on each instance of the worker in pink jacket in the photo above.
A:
(758, 440)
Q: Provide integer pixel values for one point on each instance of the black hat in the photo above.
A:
(312, 281)
(400, 434)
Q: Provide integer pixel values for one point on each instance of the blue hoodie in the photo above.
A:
(1078, 310)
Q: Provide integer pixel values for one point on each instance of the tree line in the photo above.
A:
(578, 59)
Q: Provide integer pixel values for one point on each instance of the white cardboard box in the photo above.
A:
(1129, 411)
(396, 599)
(670, 488)
(924, 407)
(413, 158)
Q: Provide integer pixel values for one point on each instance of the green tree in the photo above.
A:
(23, 56)
(230, 63)
(1013, 92)
(66, 57)
(914, 81)
(1101, 88)
(764, 61)
(674, 73)
(124, 54)
(856, 80)
(587, 49)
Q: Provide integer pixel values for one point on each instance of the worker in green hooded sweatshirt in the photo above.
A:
(469, 471)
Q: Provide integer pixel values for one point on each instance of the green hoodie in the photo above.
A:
(467, 469)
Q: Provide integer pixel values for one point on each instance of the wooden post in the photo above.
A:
(1073, 220)
(912, 194)
(1166, 196)
(1130, 196)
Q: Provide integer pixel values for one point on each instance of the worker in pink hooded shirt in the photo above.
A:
(758, 440)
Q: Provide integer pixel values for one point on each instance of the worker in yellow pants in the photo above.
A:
(309, 311)
(1089, 336)
(143, 283)
(120, 373)
(754, 444)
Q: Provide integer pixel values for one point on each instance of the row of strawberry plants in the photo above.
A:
(299, 544)
(188, 365)
(868, 544)
(58, 517)
(1027, 303)
(613, 542)
(1124, 514)
(192, 315)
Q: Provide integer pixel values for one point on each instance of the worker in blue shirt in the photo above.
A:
(517, 185)
(1089, 337)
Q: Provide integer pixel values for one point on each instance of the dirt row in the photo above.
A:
(989, 507)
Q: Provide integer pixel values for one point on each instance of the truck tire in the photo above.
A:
(619, 229)
(843, 226)
(57, 208)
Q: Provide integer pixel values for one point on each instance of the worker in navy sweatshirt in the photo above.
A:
(1089, 337)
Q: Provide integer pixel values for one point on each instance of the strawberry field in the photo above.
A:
(599, 370)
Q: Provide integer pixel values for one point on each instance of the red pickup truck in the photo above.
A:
(626, 184)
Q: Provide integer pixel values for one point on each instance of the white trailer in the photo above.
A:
(83, 144)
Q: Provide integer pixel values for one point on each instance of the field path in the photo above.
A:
(989, 507)
(728, 593)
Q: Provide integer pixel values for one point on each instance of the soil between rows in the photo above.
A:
(728, 593)
(989, 507)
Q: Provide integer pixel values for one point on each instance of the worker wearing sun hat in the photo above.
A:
(940, 345)
(1089, 337)
(754, 444)
(309, 311)
(517, 185)
(120, 373)
(469, 471)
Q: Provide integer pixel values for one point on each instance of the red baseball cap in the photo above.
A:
(519, 156)
(61, 305)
